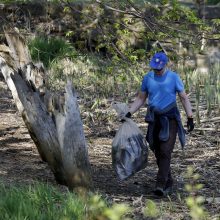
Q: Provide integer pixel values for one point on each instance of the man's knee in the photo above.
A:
(165, 154)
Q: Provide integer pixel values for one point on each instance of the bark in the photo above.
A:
(18, 49)
(72, 142)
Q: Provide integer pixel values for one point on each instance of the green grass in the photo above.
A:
(45, 202)
(205, 86)
(50, 49)
(39, 202)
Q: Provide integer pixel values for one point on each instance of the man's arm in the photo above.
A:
(138, 102)
(186, 104)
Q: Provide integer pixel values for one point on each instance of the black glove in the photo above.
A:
(127, 115)
(190, 124)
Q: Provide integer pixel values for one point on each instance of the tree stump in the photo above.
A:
(53, 121)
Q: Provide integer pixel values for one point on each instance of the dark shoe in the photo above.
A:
(159, 191)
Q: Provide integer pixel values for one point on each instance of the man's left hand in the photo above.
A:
(190, 124)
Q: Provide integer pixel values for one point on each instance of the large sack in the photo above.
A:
(129, 148)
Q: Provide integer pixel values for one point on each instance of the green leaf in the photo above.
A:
(151, 209)
(188, 187)
(66, 9)
(199, 186)
(117, 211)
(190, 201)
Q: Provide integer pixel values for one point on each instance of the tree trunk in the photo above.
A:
(201, 13)
(72, 142)
(54, 122)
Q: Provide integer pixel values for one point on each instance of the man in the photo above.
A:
(160, 87)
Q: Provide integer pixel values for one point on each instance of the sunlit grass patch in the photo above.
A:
(39, 201)
(49, 49)
(45, 202)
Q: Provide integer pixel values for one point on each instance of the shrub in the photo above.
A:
(48, 50)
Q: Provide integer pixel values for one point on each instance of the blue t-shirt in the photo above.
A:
(161, 90)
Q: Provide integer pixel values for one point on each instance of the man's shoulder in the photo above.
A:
(148, 74)
(172, 73)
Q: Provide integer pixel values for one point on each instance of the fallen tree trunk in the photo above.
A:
(56, 130)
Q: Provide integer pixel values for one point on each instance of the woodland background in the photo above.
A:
(104, 48)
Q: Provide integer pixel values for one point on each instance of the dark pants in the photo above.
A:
(163, 151)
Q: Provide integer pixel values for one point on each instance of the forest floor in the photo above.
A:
(21, 163)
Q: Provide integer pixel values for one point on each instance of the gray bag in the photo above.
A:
(129, 148)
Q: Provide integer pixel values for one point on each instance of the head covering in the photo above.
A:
(158, 61)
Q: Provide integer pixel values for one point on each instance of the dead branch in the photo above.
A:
(216, 119)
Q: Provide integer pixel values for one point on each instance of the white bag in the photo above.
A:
(129, 148)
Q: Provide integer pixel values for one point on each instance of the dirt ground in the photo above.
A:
(20, 163)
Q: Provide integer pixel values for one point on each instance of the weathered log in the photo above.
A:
(55, 126)
(72, 142)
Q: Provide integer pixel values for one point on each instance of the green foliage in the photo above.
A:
(121, 34)
(103, 78)
(49, 50)
(216, 22)
(194, 201)
(98, 209)
(39, 202)
(96, 80)
(205, 85)
(181, 18)
(151, 210)
(169, 19)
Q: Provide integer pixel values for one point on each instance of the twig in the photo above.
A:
(118, 10)
(211, 119)
(207, 129)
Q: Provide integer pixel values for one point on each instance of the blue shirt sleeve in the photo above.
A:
(179, 84)
(144, 85)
